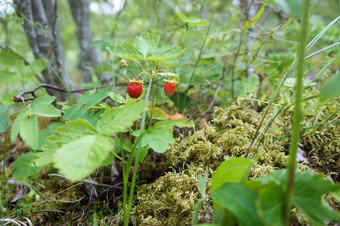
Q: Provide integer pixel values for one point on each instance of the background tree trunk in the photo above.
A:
(89, 56)
(249, 10)
(42, 31)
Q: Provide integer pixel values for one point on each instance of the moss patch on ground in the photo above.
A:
(170, 199)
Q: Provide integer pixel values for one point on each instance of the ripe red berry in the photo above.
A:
(169, 88)
(134, 89)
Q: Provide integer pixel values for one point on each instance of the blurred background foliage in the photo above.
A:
(184, 23)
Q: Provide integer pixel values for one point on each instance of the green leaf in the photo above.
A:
(16, 125)
(96, 96)
(231, 170)
(117, 97)
(145, 48)
(240, 201)
(128, 51)
(292, 7)
(11, 59)
(331, 89)
(42, 100)
(158, 140)
(121, 118)
(74, 112)
(72, 130)
(79, 158)
(248, 24)
(47, 110)
(9, 76)
(165, 53)
(24, 168)
(29, 131)
(34, 68)
(308, 191)
(271, 203)
(193, 21)
(146, 44)
(4, 118)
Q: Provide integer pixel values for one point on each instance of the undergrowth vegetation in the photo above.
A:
(170, 116)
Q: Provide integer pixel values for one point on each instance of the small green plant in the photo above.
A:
(261, 201)
(91, 134)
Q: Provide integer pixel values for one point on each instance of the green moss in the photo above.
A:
(168, 201)
(171, 198)
(323, 147)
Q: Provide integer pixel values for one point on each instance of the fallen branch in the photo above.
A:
(20, 97)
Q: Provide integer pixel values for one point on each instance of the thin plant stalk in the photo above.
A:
(137, 159)
(122, 152)
(4, 168)
(298, 114)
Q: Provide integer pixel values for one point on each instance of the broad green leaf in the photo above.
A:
(79, 158)
(29, 131)
(72, 130)
(74, 112)
(248, 24)
(96, 96)
(24, 168)
(158, 140)
(34, 68)
(42, 100)
(43, 134)
(77, 111)
(118, 120)
(331, 89)
(16, 125)
(193, 21)
(308, 191)
(145, 48)
(9, 76)
(271, 203)
(47, 110)
(4, 118)
(292, 7)
(336, 192)
(146, 44)
(128, 51)
(165, 53)
(232, 170)
(240, 201)
(117, 97)
(11, 59)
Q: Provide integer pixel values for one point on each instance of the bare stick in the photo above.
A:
(20, 97)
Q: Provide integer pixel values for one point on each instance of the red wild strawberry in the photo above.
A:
(169, 88)
(135, 89)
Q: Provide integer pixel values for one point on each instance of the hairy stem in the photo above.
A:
(297, 117)
(137, 159)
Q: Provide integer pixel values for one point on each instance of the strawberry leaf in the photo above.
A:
(79, 158)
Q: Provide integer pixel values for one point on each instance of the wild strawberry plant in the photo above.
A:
(90, 132)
